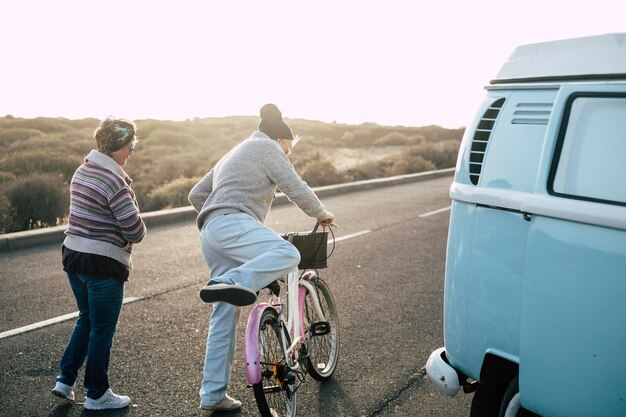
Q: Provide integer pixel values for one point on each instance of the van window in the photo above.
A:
(590, 164)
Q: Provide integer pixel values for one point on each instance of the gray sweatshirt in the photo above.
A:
(246, 179)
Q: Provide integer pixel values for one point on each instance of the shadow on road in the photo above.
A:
(61, 410)
(335, 401)
(64, 410)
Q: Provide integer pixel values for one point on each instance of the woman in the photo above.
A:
(243, 254)
(104, 222)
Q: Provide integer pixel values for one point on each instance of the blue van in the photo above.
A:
(535, 281)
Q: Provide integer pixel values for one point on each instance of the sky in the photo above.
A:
(407, 63)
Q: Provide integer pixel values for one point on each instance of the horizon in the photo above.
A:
(397, 64)
(287, 119)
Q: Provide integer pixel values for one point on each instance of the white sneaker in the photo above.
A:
(108, 401)
(227, 404)
(64, 391)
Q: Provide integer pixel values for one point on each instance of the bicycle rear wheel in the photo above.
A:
(323, 332)
(275, 395)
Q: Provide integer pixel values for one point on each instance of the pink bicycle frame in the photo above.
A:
(252, 356)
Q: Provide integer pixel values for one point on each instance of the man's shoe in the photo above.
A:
(234, 294)
(227, 404)
(64, 391)
(107, 401)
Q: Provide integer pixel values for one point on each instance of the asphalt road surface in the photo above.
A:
(387, 280)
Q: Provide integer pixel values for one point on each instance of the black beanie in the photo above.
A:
(272, 123)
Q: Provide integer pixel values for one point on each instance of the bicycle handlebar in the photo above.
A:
(317, 225)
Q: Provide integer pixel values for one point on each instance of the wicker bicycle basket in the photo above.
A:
(312, 247)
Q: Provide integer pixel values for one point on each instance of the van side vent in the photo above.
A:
(481, 137)
(532, 114)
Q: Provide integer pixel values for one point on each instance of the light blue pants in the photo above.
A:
(238, 250)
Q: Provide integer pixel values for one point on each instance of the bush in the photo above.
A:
(25, 163)
(322, 172)
(17, 134)
(392, 139)
(363, 137)
(168, 138)
(37, 143)
(42, 124)
(7, 213)
(158, 171)
(395, 165)
(145, 128)
(38, 201)
(442, 154)
(79, 141)
(315, 169)
(416, 140)
(6, 177)
(409, 165)
(172, 194)
(49, 125)
(368, 170)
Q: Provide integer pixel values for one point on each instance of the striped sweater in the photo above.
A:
(104, 216)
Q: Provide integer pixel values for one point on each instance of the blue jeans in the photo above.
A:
(238, 250)
(99, 302)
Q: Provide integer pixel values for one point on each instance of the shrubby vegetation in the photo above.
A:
(172, 194)
(39, 156)
(36, 201)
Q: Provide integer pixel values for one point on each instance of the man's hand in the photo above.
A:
(328, 221)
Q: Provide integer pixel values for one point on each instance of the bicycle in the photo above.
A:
(281, 350)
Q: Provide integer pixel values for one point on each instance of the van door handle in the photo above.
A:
(526, 215)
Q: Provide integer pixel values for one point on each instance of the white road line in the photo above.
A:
(127, 300)
(346, 237)
(54, 320)
(430, 213)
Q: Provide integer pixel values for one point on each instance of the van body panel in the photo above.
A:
(573, 322)
(605, 215)
(495, 279)
(512, 155)
(455, 301)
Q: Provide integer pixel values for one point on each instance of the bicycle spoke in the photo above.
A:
(323, 332)
(273, 394)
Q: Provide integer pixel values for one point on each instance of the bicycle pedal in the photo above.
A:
(290, 378)
(320, 328)
(274, 288)
(304, 352)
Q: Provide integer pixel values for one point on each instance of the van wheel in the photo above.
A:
(511, 406)
(487, 400)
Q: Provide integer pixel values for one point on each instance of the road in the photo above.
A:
(388, 284)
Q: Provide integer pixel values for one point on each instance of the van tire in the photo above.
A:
(487, 400)
(511, 399)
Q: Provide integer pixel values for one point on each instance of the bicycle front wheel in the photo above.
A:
(323, 332)
(275, 395)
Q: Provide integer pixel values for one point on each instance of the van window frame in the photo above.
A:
(560, 142)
